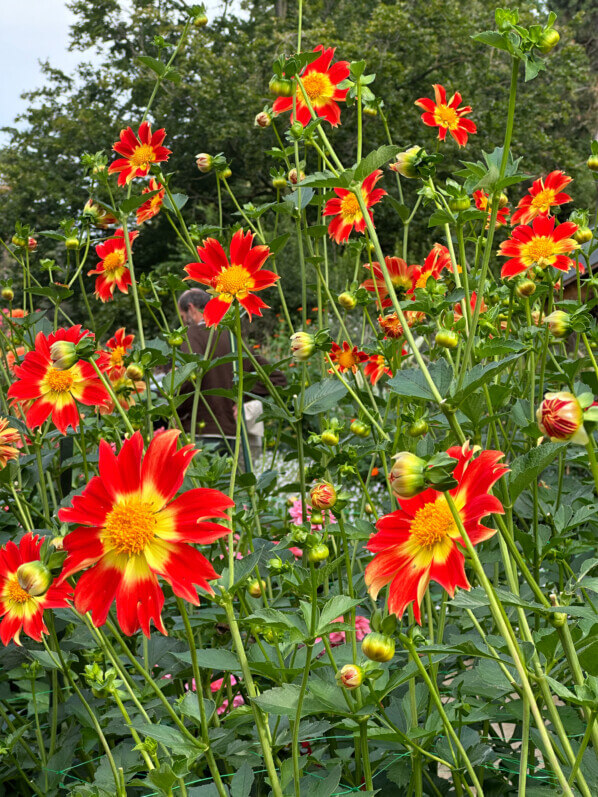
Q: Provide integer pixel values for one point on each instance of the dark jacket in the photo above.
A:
(219, 376)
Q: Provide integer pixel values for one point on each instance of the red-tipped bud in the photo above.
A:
(350, 676)
(34, 577)
(204, 162)
(560, 417)
(31, 244)
(378, 647)
(405, 161)
(263, 119)
(302, 345)
(407, 475)
(292, 175)
(322, 496)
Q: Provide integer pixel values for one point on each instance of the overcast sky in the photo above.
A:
(31, 31)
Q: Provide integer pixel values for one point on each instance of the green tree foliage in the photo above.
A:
(225, 68)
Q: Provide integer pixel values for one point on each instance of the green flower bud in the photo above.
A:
(350, 676)
(34, 577)
(407, 475)
(378, 647)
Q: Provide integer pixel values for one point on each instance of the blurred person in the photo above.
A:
(217, 415)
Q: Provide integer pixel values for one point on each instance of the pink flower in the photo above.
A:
(362, 629)
(216, 685)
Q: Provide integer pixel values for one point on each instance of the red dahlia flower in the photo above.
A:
(347, 358)
(376, 368)
(22, 601)
(139, 152)
(458, 309)
(346, 211)
(481, 202)
(112, 270)
(402, 276)
(235, 280)
(8, 436)
(544, 194)
(320, 81)
(52, 391)
(392, 326)
(539, 245)
(112, 361)
(420, 541)
(434, 264)
(131, 530)
(447, 116)
(153, 205)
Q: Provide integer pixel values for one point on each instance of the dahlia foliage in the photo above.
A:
(310, 506)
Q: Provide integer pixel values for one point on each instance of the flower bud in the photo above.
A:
(296, 130)
(263, 119)
(405, 161)
(446, 338)
(256, 587)
(370, 110)
(583, 235)
(134, 372)
(204, 162)
(19, 241)
(503, 200)
(329, 438)
(559, 323)
(525, 288)
(225, 173)
(31, 244)
(72, 242)
(406, 476)
(378, 647)
(280, 86)
(548, 40)
(459, 203)
(8, 294)
(279, 182)
(347, 300)
(560, 417)
(350, 676)
(591, 163)
(63, 354)
(302, 345)
(360, 429)
(316, 518)
(318, 553)
(418, 428)
(58, 543)
(34, 577)
(322, 496)
(200, 20)
(97, 215)
(292, 176)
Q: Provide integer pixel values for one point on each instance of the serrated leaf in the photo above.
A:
(152, 63)
(323, 396)
(303, 195)
(134, 202)
(180, 200)
(482, 374)
(528, 467)
(374, 160)
(212, 659)
(242, 781)
(336, 607)
(411, 383)
(493, 39)
(168, 736)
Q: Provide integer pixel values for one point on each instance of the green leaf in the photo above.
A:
(169, 737)
(482, 374)
(493, 39)
(336, 606)
(528, 467)
(325, 787)
(190, 707)
(327, 180)
(181, 374)
(495, 347)
(279, 243)
(374, 160)
(134, 202)
(212, 659)
(278, 619)
(180, 200)
(303, 195)
(411, 383)
(163, 778)
(323, 396)
(152, 63)
(440, 217)
(242, 781)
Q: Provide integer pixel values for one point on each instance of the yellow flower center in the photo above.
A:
(130, 526)
(346, 359)
(350, 210)
(143, 156)
(114, 260)
(318, 87)
(59, 381)
(15, 592)
(433, 523)
(544, 200)
(446, 117)
(540, 250)
(232, 280)
(117, 356)
(422, 280)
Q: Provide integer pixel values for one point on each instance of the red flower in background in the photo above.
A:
(112, 361)
(22, 607)
(8, 436)
(49, 391)
(130, 530)
(472, 303)
(376, 368)
(345, 209)
(320, 81)
(346, 358)
(139, 152)
(544, 194)
(235, 280)
(447, 116)
(481, 199)
(402, 276)
(434, 264)
(420, 542)
(543, 244)
(112, 270)
(153, 205)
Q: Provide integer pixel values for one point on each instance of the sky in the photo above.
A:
(32, 31)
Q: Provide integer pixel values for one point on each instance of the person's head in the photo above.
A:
(192, 304)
